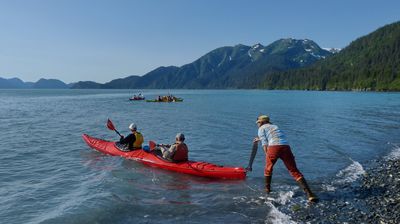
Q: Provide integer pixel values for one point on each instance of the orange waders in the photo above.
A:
(284, 153)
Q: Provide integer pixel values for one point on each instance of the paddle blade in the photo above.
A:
(110, 125)
(252, 156)
(152, 145)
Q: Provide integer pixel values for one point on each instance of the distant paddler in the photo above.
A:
(137, 97)
(277, 147)
(166, 99)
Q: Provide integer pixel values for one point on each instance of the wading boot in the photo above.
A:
(268, 184)
(303, 184)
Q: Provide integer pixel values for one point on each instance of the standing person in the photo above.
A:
(128, 141)
(277, 147)
(177, 152)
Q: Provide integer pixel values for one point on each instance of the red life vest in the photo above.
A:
(181, 153)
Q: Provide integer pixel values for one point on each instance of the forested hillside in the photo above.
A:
(371, 62)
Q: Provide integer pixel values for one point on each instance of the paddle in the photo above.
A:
(253, 155)
(111, 126)
(152, 145)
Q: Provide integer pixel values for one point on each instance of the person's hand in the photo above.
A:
(256, 139)
(249, 169)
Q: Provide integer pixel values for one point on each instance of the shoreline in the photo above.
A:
(212, 89)
(373, 198)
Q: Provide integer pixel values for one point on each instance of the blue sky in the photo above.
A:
(102, 40)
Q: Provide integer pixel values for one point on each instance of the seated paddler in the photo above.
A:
(131, 142)
(177, 152)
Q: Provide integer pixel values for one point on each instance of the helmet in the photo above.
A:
(132, 126)
(180, 137)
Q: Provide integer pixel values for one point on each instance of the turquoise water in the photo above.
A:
(49, 175)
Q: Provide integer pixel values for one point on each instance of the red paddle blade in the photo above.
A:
(152, 145)
(110, 125)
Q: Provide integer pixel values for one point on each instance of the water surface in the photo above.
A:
(49, 175)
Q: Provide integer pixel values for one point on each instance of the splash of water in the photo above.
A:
(350, 173)
(277, 217)
(395, 153)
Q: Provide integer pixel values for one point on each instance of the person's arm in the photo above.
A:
(170, 152)
(129, 138)
(164, 145)
(265, 147)
(262, 137)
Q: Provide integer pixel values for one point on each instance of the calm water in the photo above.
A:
(49, 175)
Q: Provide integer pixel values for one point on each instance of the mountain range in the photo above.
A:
(16, 83)
(225, 67)
(371, 62)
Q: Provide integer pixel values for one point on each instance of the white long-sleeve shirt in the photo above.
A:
(270, 135)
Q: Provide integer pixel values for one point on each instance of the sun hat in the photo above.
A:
(262, 118)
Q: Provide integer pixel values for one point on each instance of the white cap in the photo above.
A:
(180, 137)
(132, 126)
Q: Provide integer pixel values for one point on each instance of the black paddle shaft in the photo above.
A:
(253, 155)
(117, 132)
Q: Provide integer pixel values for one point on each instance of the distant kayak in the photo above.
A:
(202, 169)
(137, 98)
(165, 101)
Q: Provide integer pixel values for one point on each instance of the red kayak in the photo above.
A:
(136, 98)
(202, 169)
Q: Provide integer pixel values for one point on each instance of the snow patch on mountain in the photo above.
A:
(315, 55)
(257, 46)
(332, 49)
